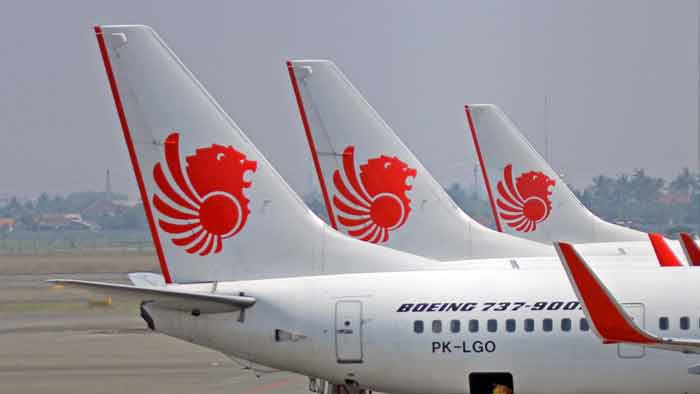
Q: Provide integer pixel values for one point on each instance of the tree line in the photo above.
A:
(635, 199)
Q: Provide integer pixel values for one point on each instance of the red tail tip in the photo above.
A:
(691, 249)
(664, 254)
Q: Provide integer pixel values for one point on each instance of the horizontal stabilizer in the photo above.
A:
(166, 298)
(146, 279)
(609, 320)
(691, 249)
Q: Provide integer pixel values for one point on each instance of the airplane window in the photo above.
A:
(529, 325)
(685, 323)
(492, 325)
(663, 323)
(473, 326)
(547, 325)
(418, 326)
(455, 325)
(566, 324)
(437, 326)
(510, 325)
(583, 325)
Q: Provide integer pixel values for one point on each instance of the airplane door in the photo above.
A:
(348, 331)
(636, 312)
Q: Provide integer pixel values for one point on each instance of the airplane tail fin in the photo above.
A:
(373, 187)
(216, 208)
(691, 249)
(663, 252)
(528, 198)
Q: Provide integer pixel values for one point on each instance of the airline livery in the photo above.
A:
(342, 129)
(528, 198)
(249, 271)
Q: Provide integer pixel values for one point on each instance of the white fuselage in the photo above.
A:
(380, 349)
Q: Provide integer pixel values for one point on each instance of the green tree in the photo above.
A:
(135, 218)
(600, 194)
(14, 208)
(57, 204)
(645, 189)
(685, 183)
(43, 203)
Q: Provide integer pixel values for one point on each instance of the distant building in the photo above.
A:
(63, 221)
(127, 203)
(671, 198)
(7, 224)
(103, 207)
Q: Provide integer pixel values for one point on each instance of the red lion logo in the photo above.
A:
(526, 203)
(371, 209)
(206, 203)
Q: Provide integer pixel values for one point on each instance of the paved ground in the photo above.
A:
(56, 342)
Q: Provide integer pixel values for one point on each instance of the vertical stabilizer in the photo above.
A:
(374, 188)
(216, 208)
(528, 198)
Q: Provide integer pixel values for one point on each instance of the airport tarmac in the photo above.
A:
(54, 341)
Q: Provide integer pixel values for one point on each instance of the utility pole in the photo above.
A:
(476, 182)
(546, 129)
(108, 187)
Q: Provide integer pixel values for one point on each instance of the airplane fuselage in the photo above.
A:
(362, 328)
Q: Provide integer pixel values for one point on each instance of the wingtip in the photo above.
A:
(567, 253)
(607, 317)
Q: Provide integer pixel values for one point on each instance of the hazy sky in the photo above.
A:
(621, 77)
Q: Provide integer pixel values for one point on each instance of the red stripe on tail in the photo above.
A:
(312, 145)
(132, 153)
(483, 168)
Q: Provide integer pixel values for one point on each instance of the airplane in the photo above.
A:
(258, 277)
(528, 198)
(376, 190)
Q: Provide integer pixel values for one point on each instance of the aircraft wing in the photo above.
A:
(164, 297)
(609, 320)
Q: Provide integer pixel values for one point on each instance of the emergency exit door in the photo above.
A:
(636, 312)
(348, 331)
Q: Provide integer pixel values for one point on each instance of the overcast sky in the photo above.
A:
(621, 77)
